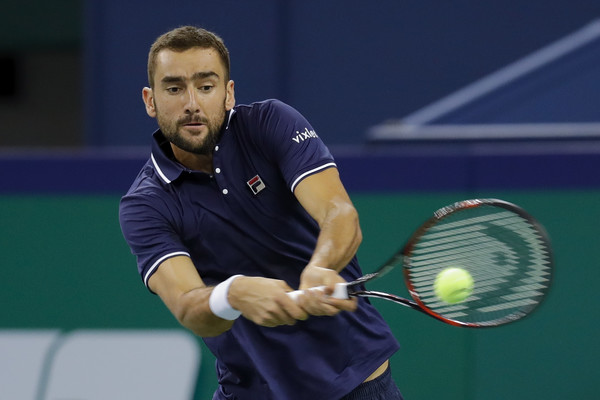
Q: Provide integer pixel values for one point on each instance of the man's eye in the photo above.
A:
(173, 90)
(206, 88)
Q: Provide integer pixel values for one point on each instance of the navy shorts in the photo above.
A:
(381, 388)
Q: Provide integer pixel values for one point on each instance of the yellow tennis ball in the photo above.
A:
(453, 285)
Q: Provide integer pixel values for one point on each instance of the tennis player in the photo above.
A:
(236, 206)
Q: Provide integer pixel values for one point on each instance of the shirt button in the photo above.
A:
(218, 170)
(216, 148)
(225, 191)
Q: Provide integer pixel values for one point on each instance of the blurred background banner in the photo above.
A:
(422, 104)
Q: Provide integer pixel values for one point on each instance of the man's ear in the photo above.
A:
(148, 97)
(230, 99)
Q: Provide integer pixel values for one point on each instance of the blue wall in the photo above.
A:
(345, 64)
(467, 167)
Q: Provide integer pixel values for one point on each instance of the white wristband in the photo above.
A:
(218, 303)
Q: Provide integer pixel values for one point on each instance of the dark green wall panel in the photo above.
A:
(65, 265)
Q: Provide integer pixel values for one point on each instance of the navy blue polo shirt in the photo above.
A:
(243, 218)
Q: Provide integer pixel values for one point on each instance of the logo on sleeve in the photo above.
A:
(304, 135)
(256, 184)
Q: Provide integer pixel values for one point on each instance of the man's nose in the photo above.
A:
(192, 105)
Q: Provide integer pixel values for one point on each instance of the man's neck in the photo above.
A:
(195, 162)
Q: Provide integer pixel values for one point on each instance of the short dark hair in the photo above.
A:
(185, 38)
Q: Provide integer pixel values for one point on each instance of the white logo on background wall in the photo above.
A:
(304, 135)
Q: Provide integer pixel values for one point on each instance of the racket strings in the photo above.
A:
(505, 254)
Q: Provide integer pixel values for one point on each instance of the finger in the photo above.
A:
(342, 304)
(273, 314)
(316, 303)
(292, 308)
(293, 312)
(276, 320)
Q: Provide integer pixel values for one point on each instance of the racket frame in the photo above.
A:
(402, 257)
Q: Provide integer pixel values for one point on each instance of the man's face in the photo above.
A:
(190, 98)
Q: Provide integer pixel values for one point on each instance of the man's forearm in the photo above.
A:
(339, 238)
(194, 313)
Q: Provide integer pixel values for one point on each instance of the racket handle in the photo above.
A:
(340, 291)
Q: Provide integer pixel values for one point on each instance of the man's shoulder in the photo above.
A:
(146, 183)
(271, 115)
(262, 108)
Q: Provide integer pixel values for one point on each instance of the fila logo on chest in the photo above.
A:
(256, 184)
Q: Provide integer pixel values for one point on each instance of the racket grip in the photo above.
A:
(340, 291)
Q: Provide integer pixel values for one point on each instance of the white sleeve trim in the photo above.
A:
(159, 261)
(312, 171)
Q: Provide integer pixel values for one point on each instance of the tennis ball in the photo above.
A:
(453, 285)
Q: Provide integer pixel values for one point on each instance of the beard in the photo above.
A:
(172, 131)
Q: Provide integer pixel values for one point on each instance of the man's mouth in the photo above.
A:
(188, 121)
(194, 124)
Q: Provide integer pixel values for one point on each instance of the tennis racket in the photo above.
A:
(504, 249)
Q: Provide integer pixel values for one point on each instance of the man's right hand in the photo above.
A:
(264, 301)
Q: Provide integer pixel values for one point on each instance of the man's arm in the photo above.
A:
(326, 200)
(261, 300)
